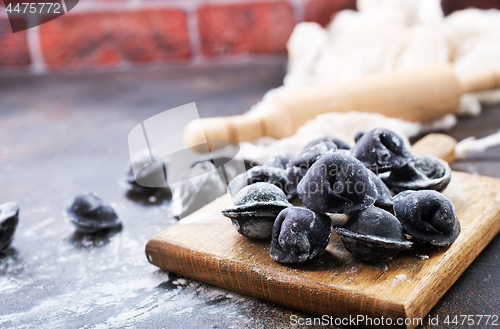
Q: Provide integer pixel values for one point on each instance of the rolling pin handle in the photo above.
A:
(485, 80)
(234, 128)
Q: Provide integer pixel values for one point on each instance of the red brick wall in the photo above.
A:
(14, 51)
(109, 38)
(113, 33)
(245, 27)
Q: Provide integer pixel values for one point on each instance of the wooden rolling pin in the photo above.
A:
(416, 95)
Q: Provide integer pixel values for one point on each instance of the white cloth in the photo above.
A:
(382, 36)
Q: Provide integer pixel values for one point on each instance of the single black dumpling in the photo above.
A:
(300, 164)
(260, 174)
(279, 161)
(89, 214)
(9, 217)
(255, 209)
(337, 183)
(150, 175)
(381, 150)
(384, 198)
(423, 172)
(373, 235)
(337, 141)
(299, 234)
(428, 216)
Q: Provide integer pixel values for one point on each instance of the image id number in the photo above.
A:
(40, 7)
(472, 320)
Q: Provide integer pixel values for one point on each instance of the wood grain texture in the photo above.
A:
(206, 247)
(439, 145)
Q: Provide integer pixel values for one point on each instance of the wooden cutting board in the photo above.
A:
(204, 246)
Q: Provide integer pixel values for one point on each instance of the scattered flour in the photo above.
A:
(400, 278)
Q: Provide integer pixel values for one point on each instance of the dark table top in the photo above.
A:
(61, 135)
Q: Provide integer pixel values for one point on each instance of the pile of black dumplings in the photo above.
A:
(331, 178)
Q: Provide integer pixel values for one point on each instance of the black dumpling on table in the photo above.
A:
(299, 234)
(373, 235)
(151, 174)
(428, 216)
(422, 172)
(89, 214)
(337, 183)
(260, 174)
(337, 141)
(9, 217)
(381, 150)
(255, 209)
(279, 161)
(300, 164)
(384, 198)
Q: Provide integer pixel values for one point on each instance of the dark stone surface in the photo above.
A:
(62, 135)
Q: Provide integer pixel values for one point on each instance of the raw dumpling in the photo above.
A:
(255, 208)
(381, 150)
(299, 234)
(423, 172)
(428, 216)
(300, 164)
(337, 183)
(373, 235)
(9, 217)
(151, 178)
(279, 161)
(90, 214)
(337, 141)
(260, 174)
